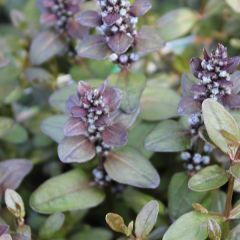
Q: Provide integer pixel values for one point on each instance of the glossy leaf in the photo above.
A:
(45, 45)
(216, 118)
(159, 103)
(76, 149)
(58, 98)
(190, 226)
(66, 192)
(207, 179)
(94, 47)
(52, 225)
(12, 172)
(53, 127)
(179, 186)
(128, 166)
(6, 125)
(235, 171)
(132, 84)
(146, 219)
(177, 23)
(167, 136)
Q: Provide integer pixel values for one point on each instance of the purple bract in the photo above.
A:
(118, 37)
(60, 14)
(214, 73)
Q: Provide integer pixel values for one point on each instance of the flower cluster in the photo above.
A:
(214, 74)
(117, 25)
(193, 161)
(60, 15)
(93, 114)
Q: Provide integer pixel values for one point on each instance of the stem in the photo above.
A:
(228, 206)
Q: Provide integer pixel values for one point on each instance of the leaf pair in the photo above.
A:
(143, 225)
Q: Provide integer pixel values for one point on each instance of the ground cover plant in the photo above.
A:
(119, 119)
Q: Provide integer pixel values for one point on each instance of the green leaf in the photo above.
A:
(137, 135)
(216, 119)
(137, 200)
(16, 135)
(146, 219)
(53, 127)
(92, 233)
(167, 136)
(179, 205)
(159, 103)
(207, 179)
(44, 46)
(128, 166)
(235, 170)
(66, 192)
(132, 84)
(52, 225)
(6, 125)
(235, 212)
(177, 23)
(190, 226)
(234, 4)
(234, 234)
(58, 99)
(8, 80)
(214, 230)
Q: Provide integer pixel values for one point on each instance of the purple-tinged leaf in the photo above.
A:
(94, 47)
(148, 40)
(234, 63)
(186, 85)
(48, 19)
(112, 98)
(188, 105)
(115, 135)
(75, 127)
(8, 237)
(12, 172)
(83, 88)
(128, 166)
(195, 66)
(73, 107)
(75, 30)
(198, 90)
(232, 101)
(111, 18)
(89, 18)
(3, 229)
(76, 149)
(141, 7)
(235, 79)
(45, 46)
(120, 43)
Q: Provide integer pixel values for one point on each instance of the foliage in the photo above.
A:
(126, 110)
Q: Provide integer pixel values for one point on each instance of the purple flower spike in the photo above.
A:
(60, 14)
(117, 23)
(215, 81)
(96, 124)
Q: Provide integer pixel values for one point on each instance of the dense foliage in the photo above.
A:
(119, 119)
